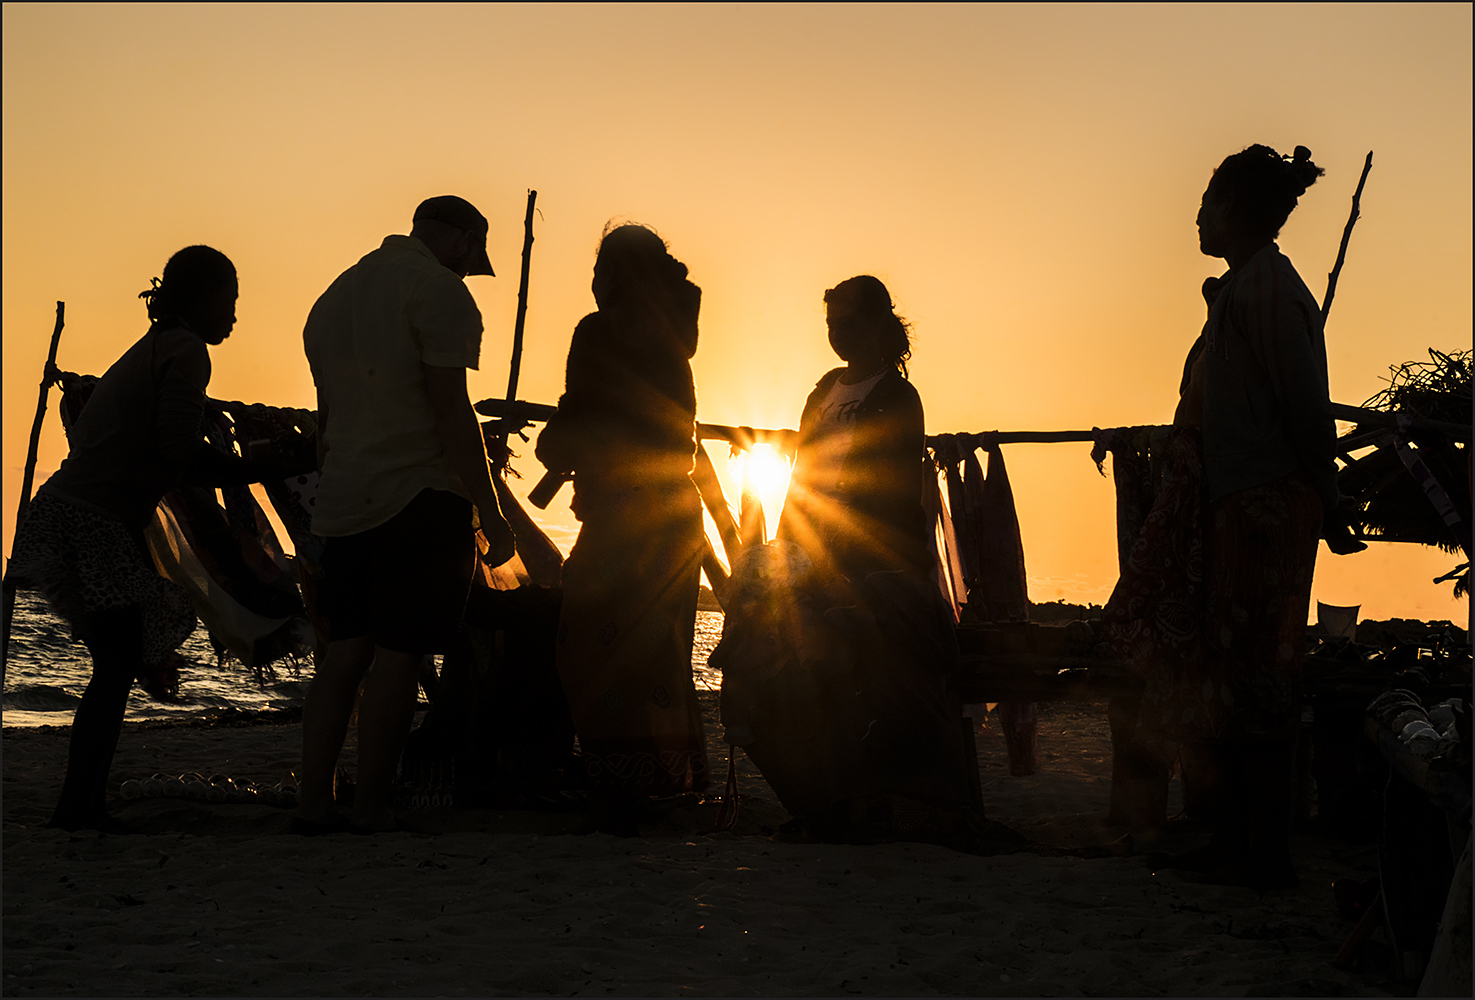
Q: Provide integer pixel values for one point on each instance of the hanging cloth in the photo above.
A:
(1001, 593)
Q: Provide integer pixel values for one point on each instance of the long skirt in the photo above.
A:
(841, 700)
(83, 562)
(625, 636)
(1210, 609)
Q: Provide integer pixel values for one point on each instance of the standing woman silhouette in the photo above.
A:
(1251, 487)
(626, 430)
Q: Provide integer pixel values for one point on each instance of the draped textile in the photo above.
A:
(1210, 609)
(838, 645)
(1002, 589)
(84, 563)
(626, 428)
(625, 637)
(840, 697)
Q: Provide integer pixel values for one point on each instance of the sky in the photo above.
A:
(1024, 179)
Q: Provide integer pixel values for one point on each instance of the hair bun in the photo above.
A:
(1303, 172)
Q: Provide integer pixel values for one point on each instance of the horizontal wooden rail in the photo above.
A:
(987, 438)
(741, 436)
(787, 440)
(1389, 421)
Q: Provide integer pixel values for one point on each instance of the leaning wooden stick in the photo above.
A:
(522, 303)
(47, 377)
(1331, 279)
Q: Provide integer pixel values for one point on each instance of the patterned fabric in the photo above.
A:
(1153, 618)
(1210, 609)
(625, 636)
(83, 562)
(1259, 559)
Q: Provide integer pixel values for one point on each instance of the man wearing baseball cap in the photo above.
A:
(402, 465)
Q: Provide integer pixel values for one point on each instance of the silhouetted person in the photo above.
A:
(1250, 484)
(403, 465)
(855, 497)
(837, 646)
(81, 543)
(625, 428)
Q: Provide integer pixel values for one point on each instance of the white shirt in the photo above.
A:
(366, 339)
(836, 431)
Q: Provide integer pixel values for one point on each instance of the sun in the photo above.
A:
(765, 471)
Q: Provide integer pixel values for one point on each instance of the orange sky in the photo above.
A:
(1025, 179)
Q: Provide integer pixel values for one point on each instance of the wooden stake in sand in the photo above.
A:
(47, 377)
(1331, 279)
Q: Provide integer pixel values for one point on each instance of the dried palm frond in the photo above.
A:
(1437, 389)
(1392, 503)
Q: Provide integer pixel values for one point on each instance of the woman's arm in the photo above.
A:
(565, 438)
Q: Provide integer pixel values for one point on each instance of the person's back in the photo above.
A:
(366, 339)
(403, 463)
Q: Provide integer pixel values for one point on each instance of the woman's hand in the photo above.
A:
(1338, 533)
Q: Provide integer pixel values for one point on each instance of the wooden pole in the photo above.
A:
(1331, 279)
(709, 487)
(522, 304)
(47, 377)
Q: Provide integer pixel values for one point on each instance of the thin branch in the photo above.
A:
(1331, 279)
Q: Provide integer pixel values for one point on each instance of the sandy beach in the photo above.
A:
(221, 900)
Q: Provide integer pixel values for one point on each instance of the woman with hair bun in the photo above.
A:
(625, 430)
(1250, 489)
(81, 543)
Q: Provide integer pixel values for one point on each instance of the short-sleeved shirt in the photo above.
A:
(366, 339)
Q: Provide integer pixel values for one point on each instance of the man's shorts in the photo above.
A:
(403, 583)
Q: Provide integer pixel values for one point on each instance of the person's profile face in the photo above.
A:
(1214, 226)
(217, 315)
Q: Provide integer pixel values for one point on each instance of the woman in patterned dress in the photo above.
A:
(626, 430)
(81, 543)
(1211, 606)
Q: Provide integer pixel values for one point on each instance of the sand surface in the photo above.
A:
(220, 900)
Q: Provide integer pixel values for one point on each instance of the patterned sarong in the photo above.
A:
(1210, 609)
(83, 562)
(625, 636)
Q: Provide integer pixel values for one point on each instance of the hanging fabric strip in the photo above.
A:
(1002, 584)
(942, 560)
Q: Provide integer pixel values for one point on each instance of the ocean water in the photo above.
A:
(47, 672)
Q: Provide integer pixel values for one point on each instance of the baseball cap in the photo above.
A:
(458, 212)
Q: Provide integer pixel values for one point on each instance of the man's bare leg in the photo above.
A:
(325, 714)
(385, 714)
